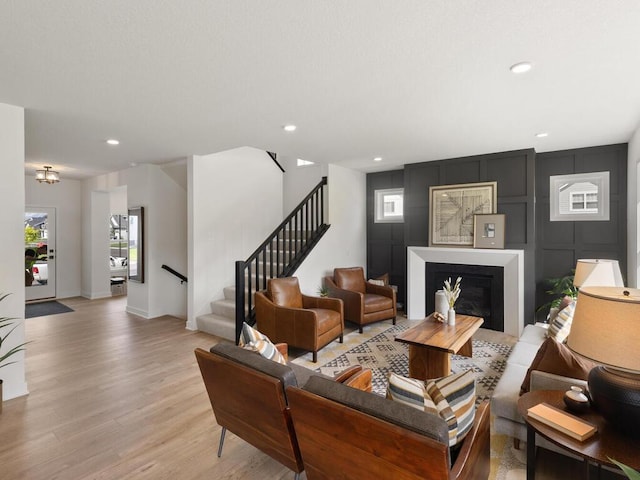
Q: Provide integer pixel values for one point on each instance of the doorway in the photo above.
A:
(40, 253)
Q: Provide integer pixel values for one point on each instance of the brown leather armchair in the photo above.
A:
(247, 395)
(373, 437)
(285, 315)
(364, 302)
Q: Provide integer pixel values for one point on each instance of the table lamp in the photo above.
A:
(591, 272)
(606, 329)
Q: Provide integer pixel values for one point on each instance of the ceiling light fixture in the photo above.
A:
(521, 67)
(47, 175)
(113, 141)
(289, 128)
(377, 159)
(542, 134)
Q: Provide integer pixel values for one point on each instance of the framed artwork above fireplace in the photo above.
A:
(452, 209)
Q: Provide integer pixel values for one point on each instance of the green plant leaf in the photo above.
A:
(559, 288)
(628, 471)
(7, 322)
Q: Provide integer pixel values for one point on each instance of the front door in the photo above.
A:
(40, 253)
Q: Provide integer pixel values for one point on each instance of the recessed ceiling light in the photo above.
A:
(113, 141)
(542, 134)
(289, 128)
(133, 164)
(521, 67)
(377, 159)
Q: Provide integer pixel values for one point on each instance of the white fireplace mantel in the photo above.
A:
(512, 262)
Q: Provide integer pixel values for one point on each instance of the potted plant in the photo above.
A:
(559, 288)
(323, 291)
(7, 323)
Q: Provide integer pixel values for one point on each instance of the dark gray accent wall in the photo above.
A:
(551, 248)
(514, 173)
(386, 252)
(561, 244)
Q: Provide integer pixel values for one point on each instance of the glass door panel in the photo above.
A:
(39, 253)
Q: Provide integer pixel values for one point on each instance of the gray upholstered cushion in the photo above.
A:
(253, 360)
(523, 354)
(403, 416)
(290, 374)
(504, 400)
(304, 374)
(535, 334)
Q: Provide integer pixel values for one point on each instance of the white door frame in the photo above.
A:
(46, 289)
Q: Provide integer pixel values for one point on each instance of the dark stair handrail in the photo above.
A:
(182, 278)
(299, 232)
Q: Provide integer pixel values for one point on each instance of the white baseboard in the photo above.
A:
(14, 391)
(137, 311)
(96, 296)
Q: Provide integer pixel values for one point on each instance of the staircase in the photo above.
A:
(222, 319)
(278, 256)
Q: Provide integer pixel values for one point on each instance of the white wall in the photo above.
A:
(95, 242)
(298, 181)
(165, 239)
(166, 220)
(118, 201)
(65, 197)
(235, 201)
(12, 241)
(633, 211)
(344, 244)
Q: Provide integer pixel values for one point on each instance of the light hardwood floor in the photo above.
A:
(115, 396)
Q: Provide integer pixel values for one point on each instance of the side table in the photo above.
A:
(606, 443)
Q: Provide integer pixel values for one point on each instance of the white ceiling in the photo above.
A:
(409, 81)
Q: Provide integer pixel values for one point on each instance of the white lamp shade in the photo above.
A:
(606, 326)
(597, 273)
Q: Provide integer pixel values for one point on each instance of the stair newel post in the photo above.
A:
(277, 255)
(249, 285)
(310, 227)
(290, 242)
(286, 247)
(240, 299)
(324, 182)
(256, 273)
(271, 260)
(262, 285)
(292, 250)
(306, 223)
(316, 197)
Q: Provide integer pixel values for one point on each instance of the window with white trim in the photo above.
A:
(389, 205)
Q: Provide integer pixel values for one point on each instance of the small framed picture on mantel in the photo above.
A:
(488, 230)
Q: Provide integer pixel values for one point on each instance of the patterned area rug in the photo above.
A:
(382, 354)
(379, 352)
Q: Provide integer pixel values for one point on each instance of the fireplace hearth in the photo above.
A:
(512, 261)
(481, 295)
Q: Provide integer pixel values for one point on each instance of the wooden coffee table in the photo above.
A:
(606, 443)
(431, 344)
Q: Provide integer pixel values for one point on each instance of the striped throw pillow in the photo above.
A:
(452, 398)
(252, 339)
(410, 392)
(560, 327)
(455, 400)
